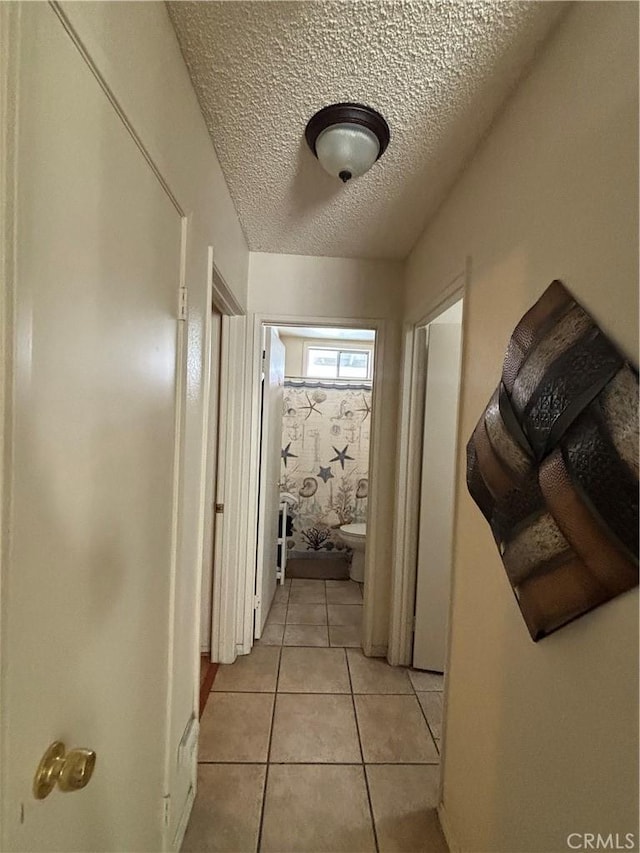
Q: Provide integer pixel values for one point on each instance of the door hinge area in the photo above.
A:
(182, 303)
(256, 602)
(167, 809)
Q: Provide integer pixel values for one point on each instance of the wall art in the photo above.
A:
(553, 464)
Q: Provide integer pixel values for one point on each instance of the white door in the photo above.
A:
(436, 495)
(270, 456)
(89, 485)
(210, 482)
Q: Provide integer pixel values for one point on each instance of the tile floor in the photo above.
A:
(315, 613)
(307, 746)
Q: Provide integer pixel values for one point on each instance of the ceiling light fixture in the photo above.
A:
(347, 139)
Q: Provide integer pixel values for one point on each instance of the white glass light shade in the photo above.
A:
(347, 150)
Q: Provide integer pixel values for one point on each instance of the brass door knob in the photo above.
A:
(70, 770)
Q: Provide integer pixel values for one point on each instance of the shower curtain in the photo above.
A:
(325, 460)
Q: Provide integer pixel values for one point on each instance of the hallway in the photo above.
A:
(166, 194)
(318, 749)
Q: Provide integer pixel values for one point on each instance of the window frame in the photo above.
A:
(339, 350)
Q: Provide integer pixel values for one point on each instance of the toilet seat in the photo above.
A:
(359, 529)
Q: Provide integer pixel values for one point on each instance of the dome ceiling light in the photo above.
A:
(347, 139)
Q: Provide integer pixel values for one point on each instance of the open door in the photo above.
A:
(435, 537)
(90, 467)
(270, 455)
(213, 440)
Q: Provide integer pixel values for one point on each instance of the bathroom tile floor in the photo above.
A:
(315, 613)
(313, 747)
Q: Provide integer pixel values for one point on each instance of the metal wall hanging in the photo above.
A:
(553, 465)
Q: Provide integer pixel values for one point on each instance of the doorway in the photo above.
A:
(315, 440)
(442, 344)
(221, 506)
(212, 383)
(427, 476)
(409, 492)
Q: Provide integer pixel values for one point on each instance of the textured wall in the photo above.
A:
(541, 740)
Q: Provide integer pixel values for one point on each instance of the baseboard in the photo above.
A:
(445, 824)
(184, 821)
(378, 652)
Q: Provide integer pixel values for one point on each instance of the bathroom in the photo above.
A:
(324, 478)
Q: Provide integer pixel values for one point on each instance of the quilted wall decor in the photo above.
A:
(553, 465)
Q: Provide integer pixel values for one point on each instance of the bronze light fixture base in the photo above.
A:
(347, 117)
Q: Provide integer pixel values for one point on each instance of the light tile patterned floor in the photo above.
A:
(309, 748)
(315, 613)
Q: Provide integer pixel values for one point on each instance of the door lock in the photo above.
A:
(70, 770)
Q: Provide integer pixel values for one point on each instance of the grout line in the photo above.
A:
(275, 693)
(344, 763)
(266, 775)
(411, 683)
(426, 719)
(327, 763)
(326, 610)
(244, 763)
(310, 692)
(364, 769)
(275, 690)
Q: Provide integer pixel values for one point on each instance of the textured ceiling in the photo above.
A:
(438, 72)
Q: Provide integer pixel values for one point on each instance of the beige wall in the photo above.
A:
(318, 288)
(541, 740)
(293, 355)
(294, 350)
(302, 285)
(134, 47)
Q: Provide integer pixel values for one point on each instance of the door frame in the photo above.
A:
(253, 374)
(432, 442)
(265, 439)
(403, 592)
(221, 439)
(210, 397)
(410, 436)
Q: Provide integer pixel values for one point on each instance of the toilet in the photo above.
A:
(355, 536)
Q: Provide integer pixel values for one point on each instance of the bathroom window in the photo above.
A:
(332, 363)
